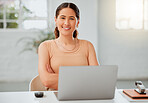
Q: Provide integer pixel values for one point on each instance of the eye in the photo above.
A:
(62, 18)
(71, 18)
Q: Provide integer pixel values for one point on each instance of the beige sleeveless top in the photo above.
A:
(76, 57)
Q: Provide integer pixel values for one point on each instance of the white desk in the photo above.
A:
(49, 97)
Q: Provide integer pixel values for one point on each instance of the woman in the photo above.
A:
(66, 49)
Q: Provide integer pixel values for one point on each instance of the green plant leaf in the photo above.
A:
(30, 43)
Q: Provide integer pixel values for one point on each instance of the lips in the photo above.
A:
(66, 28)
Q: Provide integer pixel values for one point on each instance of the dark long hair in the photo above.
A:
(67, 5)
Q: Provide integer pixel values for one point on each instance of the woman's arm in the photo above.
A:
(47, 75)
(92, 59)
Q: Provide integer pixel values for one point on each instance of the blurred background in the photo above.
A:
(117, 28)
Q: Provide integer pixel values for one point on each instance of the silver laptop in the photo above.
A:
(87, 82)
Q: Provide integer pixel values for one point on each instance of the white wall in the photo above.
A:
(13, 65)
(23, 67)
(127, 49)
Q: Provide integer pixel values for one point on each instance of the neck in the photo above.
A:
(66, 40)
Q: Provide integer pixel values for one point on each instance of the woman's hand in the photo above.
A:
(49, 69)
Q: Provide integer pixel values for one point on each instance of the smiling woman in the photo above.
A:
(66, 49)
(66, 22)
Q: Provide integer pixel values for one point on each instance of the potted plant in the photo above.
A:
(32, 43)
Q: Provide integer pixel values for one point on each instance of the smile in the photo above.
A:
(66, 28)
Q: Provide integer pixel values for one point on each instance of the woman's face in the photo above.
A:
(66, 21)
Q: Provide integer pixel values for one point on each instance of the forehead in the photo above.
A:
(67, 12)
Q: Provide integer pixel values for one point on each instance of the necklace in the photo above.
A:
(66, 48)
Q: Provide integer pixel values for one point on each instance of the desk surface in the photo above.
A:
(49, 97)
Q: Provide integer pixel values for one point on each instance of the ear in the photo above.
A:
(78, 23)
(55, 19)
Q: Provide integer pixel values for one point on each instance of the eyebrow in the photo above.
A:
(65, 16)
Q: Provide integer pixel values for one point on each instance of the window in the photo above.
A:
(23, 14)
(132, 14)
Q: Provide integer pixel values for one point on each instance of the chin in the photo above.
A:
(67, 33)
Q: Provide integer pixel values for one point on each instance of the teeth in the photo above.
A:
(67, 28)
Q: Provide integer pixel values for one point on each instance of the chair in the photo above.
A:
(36, 84)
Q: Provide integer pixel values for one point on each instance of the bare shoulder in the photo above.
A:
(86, 42)
(46, 43)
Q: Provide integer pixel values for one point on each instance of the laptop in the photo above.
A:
(87, 82)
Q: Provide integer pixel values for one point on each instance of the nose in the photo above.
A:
(66, 22)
